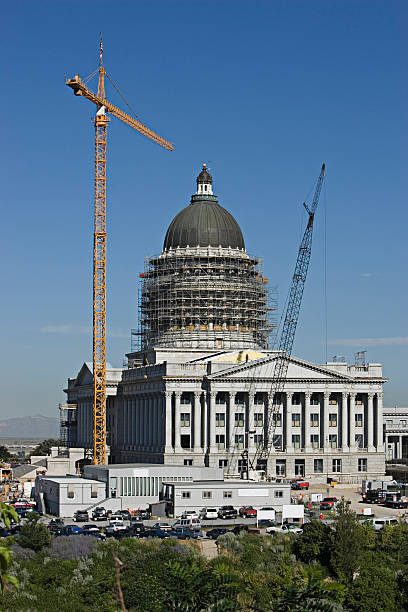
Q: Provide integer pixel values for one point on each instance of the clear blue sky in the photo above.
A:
(264, 92)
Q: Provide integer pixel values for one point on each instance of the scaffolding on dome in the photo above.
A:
(206, 297)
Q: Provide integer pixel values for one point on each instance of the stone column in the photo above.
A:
(344, 422)
(168, 424)
(380, 424)
(288, 411)
(197, 421)
(211, 397)
(251, 420)
(326, 409)
(205, 422)
(353, 447)
(400, 448)
(308, 444)
(231, 418)
(370, 422)
(177, 429)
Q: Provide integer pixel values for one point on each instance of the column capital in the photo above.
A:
(344, 393)
(326, 395)
(197, 393)
(212, 393)
(177, 394)
(380, 395)
(308, 394)
(370, 394)
(353, 395)
(167, 393)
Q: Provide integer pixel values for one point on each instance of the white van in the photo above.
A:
(209, 513)
(190, 522)
(380, 523)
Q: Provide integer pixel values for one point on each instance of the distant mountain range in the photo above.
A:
(35, 426)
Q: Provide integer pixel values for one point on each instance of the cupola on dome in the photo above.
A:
(204, 222)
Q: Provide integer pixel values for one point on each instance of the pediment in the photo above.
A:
(264, 368)
(85, 376)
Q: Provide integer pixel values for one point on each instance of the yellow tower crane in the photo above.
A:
(80, 88)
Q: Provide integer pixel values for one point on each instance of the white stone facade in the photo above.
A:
(207, 410)
(396, 432)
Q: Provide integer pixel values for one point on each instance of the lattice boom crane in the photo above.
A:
(287, 336)
(99, 250)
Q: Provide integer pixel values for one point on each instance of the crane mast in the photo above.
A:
(99, 244)
(287, 335)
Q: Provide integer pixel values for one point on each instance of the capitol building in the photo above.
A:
(196, 392)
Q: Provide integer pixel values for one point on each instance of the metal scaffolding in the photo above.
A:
(205, 298)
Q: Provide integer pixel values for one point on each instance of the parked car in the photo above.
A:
(136, 529)
(332, 501)
(208, 513)
(247, 512)
(154, 533)
(189, 513)
(238, 528)
(68, 530)
(125, 514)
(81, 516)
(135, 519)
(116, 516)
(185, 534)
(55, 522)
(227, 512)
(90, 528)
(380, 523)
(143, 514)
(191, 522)
(115, 526)
(162, 526)
(284, 529)
(213, 534)
(99, 514)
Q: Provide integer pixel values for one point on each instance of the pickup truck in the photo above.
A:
(247, 512)
(299, 485)
(284, 529)
(227, 512)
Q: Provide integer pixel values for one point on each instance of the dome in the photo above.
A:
(204, 222)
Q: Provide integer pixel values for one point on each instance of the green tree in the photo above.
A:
(314, 543)
(5, 455)
(350, 541)
(316, 595)
(7, 514)
(394, 541)
(374, 587)
(44, 447)
(33, 534)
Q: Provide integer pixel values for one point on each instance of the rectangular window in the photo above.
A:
(296, 441)
(314, 440)
(296, 419)
(240, 399)
(185, 419)
(362, 465)
(222, 463)
(239, 419)
(206, 494)
(239, 441)
(94, 490)
(336, 465)
(258, 438)
(185, 398)
(300, 467)
(220, 441)
(296, 399)
(277, 441)
(403, 423)
(314, 419)
(358, 420)
(318, 466)
(359, 400)
(185, 494)
(359, 440)
(278, 493)
(259, 399)
(220, 419)
(71, 491)
(315, 400)
(258, 419)
(277, 419)
(281, 467)
(188, 462)
(332, 400)
(221, 398)
(333, 441)
(227, 494)
(332, 420)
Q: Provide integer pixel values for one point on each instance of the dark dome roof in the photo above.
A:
(204, 223)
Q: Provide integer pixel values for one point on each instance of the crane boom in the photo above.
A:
(80, 89)
(287, 336)
(99, 249)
